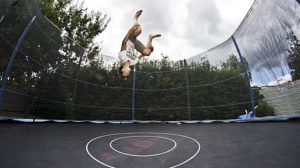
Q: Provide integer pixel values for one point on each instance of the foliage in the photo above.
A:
(60, 63)
(79, 27)
(48, 52)
(294, 55)
(265, 109)
(79, 30)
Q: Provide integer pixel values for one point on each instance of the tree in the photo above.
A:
(79, 28)
(294, 55)
(233, 63)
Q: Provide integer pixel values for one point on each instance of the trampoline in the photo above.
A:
(263, 144)
(57, 111)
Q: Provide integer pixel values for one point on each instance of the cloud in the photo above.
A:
(156, 13)
(203, 23)
(281, 80)
(157, 16)
(188, 27)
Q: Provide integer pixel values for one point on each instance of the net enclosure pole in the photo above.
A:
(187, 89)
(246, 74)
(12, 58)
(2, 18)
(133, 94)
(7, 10)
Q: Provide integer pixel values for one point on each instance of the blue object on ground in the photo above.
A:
(246, 116)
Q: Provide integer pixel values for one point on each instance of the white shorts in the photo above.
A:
(129, 54)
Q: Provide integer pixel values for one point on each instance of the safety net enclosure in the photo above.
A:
(48, 72)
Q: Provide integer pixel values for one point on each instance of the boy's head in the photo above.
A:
(124, 71)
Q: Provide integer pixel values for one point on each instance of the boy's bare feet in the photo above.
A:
(138, 14)
(154, 36)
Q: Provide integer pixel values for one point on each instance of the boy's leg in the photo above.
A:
(124, 42)
(124, 45)
(151, 37)
(149, 48)
(137, 15)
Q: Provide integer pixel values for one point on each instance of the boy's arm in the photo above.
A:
(141, 56)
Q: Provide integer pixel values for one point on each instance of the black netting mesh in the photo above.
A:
(261, 38)
(46, 80)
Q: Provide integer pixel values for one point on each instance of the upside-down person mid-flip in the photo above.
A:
(131, 46)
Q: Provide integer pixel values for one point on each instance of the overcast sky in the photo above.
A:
(188, 27)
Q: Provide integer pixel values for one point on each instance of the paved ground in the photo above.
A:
(236, 145)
